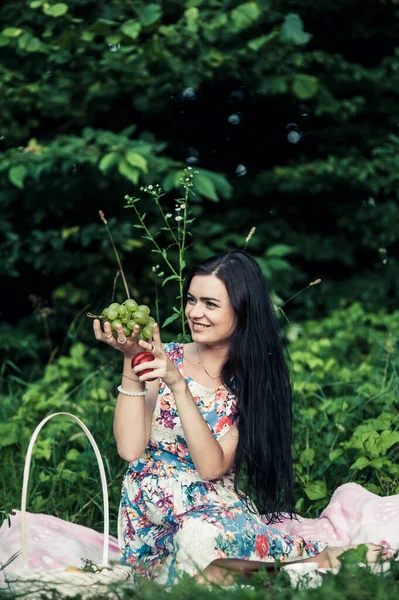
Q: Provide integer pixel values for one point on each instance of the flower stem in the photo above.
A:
(104, 220)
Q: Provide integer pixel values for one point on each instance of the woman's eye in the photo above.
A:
(190, 300)
(210, 304)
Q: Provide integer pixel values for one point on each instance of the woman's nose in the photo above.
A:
(196, 311)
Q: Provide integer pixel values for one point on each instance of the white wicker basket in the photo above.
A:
(34, 582)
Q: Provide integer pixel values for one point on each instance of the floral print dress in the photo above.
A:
(171, 521)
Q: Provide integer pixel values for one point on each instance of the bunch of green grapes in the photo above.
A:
(129, 314)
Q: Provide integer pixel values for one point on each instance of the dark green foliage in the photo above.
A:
(98, 99)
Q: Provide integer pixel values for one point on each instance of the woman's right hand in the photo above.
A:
(129, 346)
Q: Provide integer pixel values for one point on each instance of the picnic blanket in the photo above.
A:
(353, 516)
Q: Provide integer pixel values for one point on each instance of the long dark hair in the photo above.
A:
(256, 372)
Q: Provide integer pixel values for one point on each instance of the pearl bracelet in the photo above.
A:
(126, 393)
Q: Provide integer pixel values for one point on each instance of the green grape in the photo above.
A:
(140, 336)
(131, 324)
(144, 309)
(126, 331)
(131, 305)
(151, 321)
(122, 310)
(115, 323)
(104, 313)
(140, 317)
(111, 314)
(148, 331)
(114, 305)
(125, 319)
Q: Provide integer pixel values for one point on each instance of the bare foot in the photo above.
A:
(328, 559)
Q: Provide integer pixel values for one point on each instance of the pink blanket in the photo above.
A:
(353, 516)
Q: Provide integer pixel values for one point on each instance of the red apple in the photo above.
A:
(141, 358)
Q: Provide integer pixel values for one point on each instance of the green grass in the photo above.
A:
(346, 429)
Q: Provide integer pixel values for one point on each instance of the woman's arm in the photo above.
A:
(211, 457)
(133, 415)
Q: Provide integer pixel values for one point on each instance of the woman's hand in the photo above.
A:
(162, 366)
(129, 346)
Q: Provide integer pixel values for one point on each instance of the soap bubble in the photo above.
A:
(234, 119)
(189, 94)
(294, 136)
(192, 156)
(241, 170)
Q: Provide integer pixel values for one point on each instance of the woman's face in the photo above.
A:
(208, 310)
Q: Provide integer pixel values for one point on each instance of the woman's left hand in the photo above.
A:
(161, 366)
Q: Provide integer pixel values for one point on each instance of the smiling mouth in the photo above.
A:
(199, 325)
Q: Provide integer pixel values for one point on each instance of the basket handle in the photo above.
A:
(26, 484)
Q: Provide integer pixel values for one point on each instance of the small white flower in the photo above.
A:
(161, 274)
(168, 215)
(178, 218)
(182, 206)
(178, 209)
(150, 187)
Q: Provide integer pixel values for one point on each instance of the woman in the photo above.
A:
(219, 408)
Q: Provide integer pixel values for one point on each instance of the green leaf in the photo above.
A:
(29, 43)
(279, 264)
(192, 14)
(56, 10)
(170, 319)
(170, 278)
(221, 183)
(204, 186)
(262, 41)
(66, 232)
(43, 448)
(127, 171)
(4, 41)
(360, 463)
(316, 490)
(150, 14)
(17, 175)
(388, 439)
(305, 86)
(334, 454)
(245, 15)
(273, 86)
(264, 267)
(108, 161)
(131, 29)
(114, 38)
(73, 454)
(8, 434)
(307, 457)
(137, 160)
(279, 250)
(12, 32)
(36, 3)
(354, 556)
(292, 30)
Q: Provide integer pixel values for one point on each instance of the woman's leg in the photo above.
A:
(222, 571)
